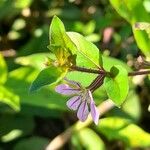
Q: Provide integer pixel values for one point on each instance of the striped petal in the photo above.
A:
(83, 111)
(73, 83)
(66, 89)
(74, 102)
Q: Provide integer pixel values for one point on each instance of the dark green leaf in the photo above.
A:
(48, 76)
(14, 126)
(33, 143)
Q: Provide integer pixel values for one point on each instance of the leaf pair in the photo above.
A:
(69, 48)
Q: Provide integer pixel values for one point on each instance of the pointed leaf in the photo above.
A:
(88, 50)
(117, 85)
(59, 38)
(47, 76)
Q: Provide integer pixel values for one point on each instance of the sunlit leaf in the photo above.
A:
(8, 97)
(87, 49)
(117, 85)
(59, 38)
(37, 60)
(88, 138)
(115, 128)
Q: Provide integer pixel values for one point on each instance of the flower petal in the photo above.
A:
(94, 111)
(74, 102)
(73, 83)
(66, 89)
(83, 111)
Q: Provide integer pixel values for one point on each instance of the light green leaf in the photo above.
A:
(115, 128)
(32, 143)
(8, 97)
(117, 85)
(88, 138)
(3, 70)
(88, 50)
(128, 10)
(59, 38)
(48, 76)
(109, 62)
(37, 60)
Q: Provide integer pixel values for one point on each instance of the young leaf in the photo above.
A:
(117, 85)
(86, 48)
(47, 76)
(59, 38)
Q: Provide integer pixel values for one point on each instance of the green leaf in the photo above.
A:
(128, 10)
(32, 143)
(45, 102)
(3, 70)
(88, 138)
(117, 85)
(59, 38)
(86, 49)
(115, 128)
(48, 76)
(109, 62)
(8, 97)
(35, 60)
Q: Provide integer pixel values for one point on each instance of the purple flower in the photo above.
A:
(82, 100)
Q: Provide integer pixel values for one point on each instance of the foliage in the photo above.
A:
(35, 57)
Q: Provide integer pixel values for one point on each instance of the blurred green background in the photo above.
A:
(31, 121)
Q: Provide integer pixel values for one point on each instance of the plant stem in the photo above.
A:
(136, 73)
(86, 70)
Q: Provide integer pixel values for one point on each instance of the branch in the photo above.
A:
(86, 70)
(136, 73)
(63, 138)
